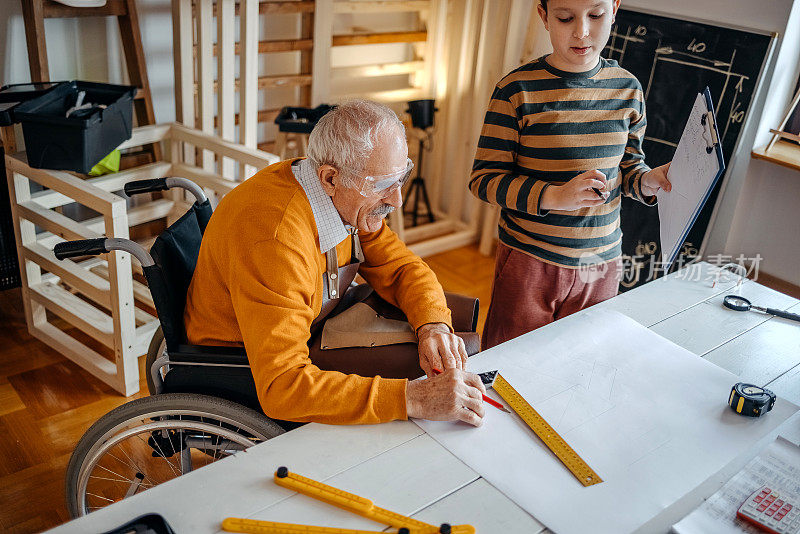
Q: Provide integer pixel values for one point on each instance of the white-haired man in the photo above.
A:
(282, 247)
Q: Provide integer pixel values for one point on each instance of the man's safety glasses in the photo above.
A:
(385, 184)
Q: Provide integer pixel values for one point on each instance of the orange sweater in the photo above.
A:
(258, 282)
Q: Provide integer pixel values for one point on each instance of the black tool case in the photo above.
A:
(74, 143)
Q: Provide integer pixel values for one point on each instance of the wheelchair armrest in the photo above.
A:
(464, 312)
(209, 354)
(472, 342)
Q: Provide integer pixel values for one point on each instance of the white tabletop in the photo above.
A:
(399, 467)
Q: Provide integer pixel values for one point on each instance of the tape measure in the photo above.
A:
(750, 400)
(547, 434)
(342, 499)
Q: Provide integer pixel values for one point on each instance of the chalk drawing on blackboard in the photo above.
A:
(732, 86)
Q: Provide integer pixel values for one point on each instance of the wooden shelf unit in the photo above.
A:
(204, 34)
(100, 296)
(783, 153)
(784, 147)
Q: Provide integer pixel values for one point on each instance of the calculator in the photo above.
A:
(772, 510)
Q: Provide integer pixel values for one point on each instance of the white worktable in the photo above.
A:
(401, 468)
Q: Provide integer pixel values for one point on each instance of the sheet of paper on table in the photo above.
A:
(647, 415)
(778, 467)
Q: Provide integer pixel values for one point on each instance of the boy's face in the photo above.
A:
(579, 31)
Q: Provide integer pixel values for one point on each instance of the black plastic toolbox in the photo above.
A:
(78, 142)
(300, 120)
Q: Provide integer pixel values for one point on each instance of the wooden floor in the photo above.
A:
(47, 402)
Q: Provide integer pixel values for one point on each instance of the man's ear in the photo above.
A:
(614, 9)
(328, 177)
(542, 15)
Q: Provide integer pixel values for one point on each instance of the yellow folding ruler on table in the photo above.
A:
(342, 499)
(546, 433)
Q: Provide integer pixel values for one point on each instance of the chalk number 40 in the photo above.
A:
(696, 47)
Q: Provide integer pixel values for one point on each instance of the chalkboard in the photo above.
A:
(674, 60)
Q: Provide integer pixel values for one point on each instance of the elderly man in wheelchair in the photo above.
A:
(263, 328)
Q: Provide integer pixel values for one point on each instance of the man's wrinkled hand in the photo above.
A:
(454, 395)
(439, 348)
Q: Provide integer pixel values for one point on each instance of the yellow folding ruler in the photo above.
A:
(342, 499)
(546, 433)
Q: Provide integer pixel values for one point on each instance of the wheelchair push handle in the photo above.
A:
(146, 186)
(82, 247)
(162, 184)
(93, 247)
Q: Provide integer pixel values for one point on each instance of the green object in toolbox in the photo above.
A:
(107, 165)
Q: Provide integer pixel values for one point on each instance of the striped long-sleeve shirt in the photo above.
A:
(545, 126)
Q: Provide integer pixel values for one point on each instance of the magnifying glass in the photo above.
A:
(735, 302)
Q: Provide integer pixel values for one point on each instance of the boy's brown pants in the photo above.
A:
(528, 293)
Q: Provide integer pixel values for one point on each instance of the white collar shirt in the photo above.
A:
(330, 228)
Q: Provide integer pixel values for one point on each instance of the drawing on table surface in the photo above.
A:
(575, 398)
(667, 423)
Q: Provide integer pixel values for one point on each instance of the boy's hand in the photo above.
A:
(656, 179)
(577, 193)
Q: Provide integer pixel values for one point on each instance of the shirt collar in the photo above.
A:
(330, 228)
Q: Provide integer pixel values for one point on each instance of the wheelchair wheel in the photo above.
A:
(154, 439)
(158, 347)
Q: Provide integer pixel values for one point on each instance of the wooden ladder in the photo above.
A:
(35, 11)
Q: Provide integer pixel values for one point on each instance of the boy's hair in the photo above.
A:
(544, 5)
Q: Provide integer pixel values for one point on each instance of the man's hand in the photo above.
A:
(439, 348)
(656, 179)
(452, 395)
(577, 193)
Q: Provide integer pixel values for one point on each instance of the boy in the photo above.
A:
(561, 142)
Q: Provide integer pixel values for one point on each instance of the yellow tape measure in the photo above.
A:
(347, 501)
(546, 433)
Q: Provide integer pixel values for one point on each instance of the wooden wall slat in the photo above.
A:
(248, 75)
(226, 91)
(205, 66)
(183, 40)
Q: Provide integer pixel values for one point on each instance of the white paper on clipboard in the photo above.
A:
(695, 169)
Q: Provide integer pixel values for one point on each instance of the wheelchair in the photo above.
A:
(203, 405)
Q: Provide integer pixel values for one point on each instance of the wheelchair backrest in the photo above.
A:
(175, 253)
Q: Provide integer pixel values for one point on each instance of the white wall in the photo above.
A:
(759, 212)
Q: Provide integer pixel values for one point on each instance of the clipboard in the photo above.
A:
(696, 167)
